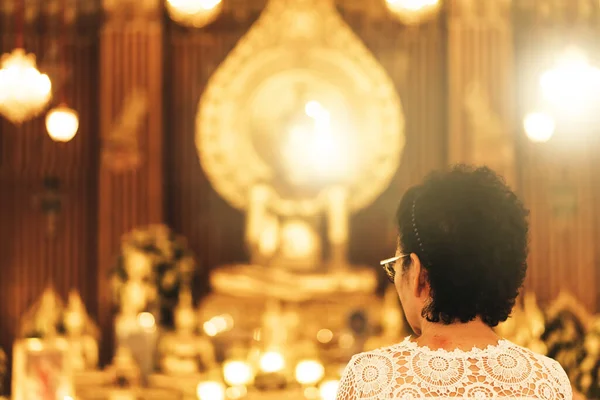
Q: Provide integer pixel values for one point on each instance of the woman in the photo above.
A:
(460, 262)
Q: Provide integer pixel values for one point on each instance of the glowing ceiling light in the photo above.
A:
(24, 91)
(573, 84)
(539, 126)
(194, 13)
(412, 12)
(62, 123)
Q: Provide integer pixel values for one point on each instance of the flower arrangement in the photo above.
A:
(587, 379)
(564, 338)
(573, 339)
(165, 262)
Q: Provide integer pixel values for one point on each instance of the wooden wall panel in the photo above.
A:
(29, 260)
(414, 58)
(131, 59)
(558, 179)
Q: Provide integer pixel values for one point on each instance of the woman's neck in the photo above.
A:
(462, 336)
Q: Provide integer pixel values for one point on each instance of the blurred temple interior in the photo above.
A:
(195, 194)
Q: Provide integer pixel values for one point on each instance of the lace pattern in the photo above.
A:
(407, 371)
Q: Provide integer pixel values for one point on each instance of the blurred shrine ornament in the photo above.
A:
(50, 202)
(194, 13)
(24, 91)
(491, 142)
(298, 44)
(413, 12)
(121, 147)
(62, 123)
(43, 319)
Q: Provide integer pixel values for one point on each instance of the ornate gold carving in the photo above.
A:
(297, 44)
(490, 138)
(120, 149)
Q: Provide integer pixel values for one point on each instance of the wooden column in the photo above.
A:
(131, 51)
(481, 85)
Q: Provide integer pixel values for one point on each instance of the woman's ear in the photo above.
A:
(420, 281)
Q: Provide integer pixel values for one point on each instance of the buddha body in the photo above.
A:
(293, 242)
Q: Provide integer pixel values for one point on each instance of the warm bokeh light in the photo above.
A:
(572, 85)
(324, 336)
(329, 390)
(309, 372)
(146, 320)
(210, 391)
(237, 373)
(312, 393)
(62, 123)
(346, 341)
(210, 329)
(272, 361)
(539, 126)
(218, 324)
(236, 392)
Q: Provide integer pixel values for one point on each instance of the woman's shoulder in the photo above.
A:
(502, 368)
(390, 352)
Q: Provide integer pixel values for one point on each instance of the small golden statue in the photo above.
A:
(42, 320)
(82, 334)
(183, 352)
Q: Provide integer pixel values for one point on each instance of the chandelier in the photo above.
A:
(194, 13)
(24, 91)
(412, 12)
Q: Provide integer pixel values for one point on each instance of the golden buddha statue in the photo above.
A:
(291, 133)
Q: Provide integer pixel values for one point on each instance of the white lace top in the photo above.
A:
(407, 371)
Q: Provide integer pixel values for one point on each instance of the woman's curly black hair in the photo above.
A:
(469, 230)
